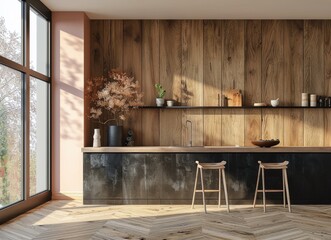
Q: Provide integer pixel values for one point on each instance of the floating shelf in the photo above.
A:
(217, 107)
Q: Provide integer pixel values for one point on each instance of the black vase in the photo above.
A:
(114, 135)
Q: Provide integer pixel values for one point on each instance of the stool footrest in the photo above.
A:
(270, 190)
(207, 190)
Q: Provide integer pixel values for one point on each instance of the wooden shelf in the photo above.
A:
(217, 107)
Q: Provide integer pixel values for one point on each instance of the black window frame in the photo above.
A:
(29, 202)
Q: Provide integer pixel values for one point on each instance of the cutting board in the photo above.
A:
(234, 97)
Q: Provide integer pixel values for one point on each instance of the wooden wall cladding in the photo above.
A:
(195, 60)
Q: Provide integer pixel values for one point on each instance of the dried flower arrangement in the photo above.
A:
(116, 94)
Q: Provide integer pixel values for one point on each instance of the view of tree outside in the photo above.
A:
(11, 132)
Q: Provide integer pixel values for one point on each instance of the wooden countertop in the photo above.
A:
(203, 149)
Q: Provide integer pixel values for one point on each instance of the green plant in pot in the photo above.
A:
(111, 99)
(160, 95)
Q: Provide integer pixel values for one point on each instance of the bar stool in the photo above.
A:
(220, 166)
(278, 166)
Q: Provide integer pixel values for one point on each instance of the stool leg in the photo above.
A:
(203, 191)
(263, 190)
(225, 191)
(257, 185)
(287, 191)
(219, 187)
(195, 186)
(284, 197)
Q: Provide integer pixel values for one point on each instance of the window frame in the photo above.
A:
(29, 202)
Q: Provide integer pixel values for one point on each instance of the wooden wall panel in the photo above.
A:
(327, 81)
(252, 84)
(170, 78)
(199, 59)
(150, 75)
(192, 78)
(132, 41)
(233, 78)
(212, 75)
(293, 82)
(272, 78)
(314, 80)
(97, 50)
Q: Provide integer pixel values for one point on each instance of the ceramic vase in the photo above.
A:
(96, 138)
(114, 135)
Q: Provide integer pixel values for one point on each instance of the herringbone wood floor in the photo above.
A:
(73, 220)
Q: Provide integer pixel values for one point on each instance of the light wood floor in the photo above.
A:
(72, 220)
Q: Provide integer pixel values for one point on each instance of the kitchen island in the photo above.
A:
(165, 174)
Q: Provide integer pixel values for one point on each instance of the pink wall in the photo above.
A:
(70, 69)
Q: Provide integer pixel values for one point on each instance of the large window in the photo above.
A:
(24, 105)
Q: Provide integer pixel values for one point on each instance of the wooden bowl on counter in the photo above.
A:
(266, 143)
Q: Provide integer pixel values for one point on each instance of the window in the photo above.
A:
(24, 106)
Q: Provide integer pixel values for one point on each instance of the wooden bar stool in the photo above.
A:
(220, 166)
(278, 166)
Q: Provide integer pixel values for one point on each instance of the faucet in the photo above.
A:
(190, 141)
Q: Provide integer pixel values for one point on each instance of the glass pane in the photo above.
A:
(11, 137)
(11, 30)
(38, 136)
(39, 44)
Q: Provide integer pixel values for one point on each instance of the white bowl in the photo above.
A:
(170, 103)
(275, 102)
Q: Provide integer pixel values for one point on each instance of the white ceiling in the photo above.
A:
(196, 9)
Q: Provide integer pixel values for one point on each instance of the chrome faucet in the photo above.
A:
(190, 141)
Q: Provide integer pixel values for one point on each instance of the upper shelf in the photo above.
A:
(218, 107)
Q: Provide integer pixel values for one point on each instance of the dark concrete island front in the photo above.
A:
(131, 176)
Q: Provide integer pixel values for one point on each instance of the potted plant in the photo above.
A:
(160, 94)
(111, 100)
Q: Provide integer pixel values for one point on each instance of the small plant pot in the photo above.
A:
(159, 102)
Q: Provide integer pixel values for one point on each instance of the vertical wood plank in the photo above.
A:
(192, 78)
(327, 81)
(170, 78)
(132, 65)
(97, 49)
(293, 82)
(150, 76)
(212, 76)
(233, 78)
(113, 45)
(272, 78)
(314, 80)
(252, 92)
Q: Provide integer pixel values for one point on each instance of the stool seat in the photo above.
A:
(273, 166)
(220, 166)
(281, 165)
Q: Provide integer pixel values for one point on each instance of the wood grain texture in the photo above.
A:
(171, 128)
(327, 81)
(314, 57)
(314, 80)
(170, 78)
(233, 78)
(293, 82)
(192, 78)
(73, 220)
(233, 55)
(212, 131)
(272, 78)
(212, 62)
(212, 76)
(171, 58)
(192, 63)
(253, 82)
(97, 50)
(150, 76)
(132, 42)
(233, 127)
(253, 48)
(253, 126)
